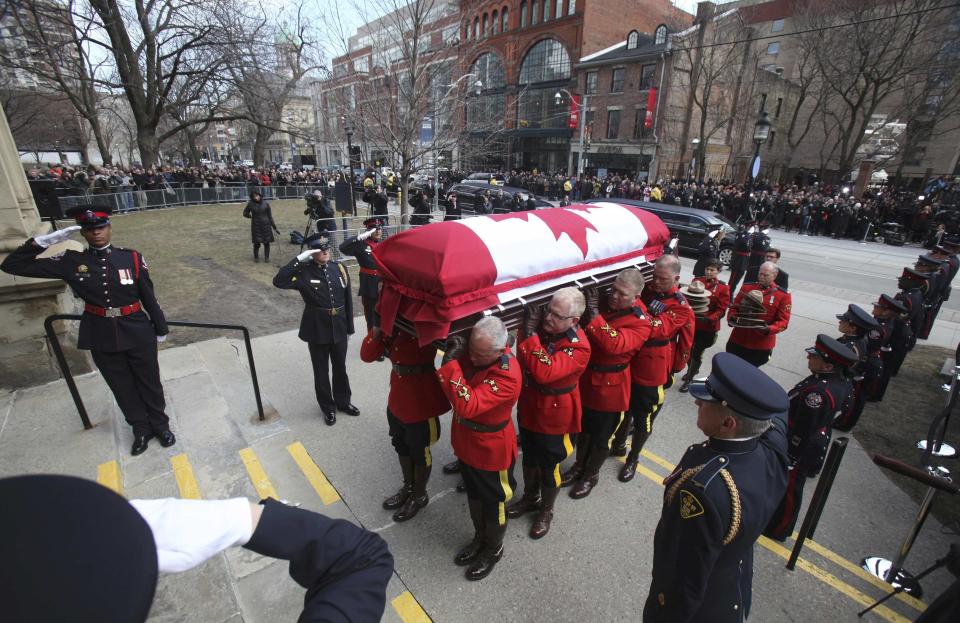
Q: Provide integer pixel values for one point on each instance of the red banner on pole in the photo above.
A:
(651, 109)
(574, 122)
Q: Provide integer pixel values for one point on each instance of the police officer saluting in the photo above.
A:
(122, 321)
(719, 498)
(361, 247)
(327, 321)
(814, 403)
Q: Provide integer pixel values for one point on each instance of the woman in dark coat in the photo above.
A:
(261, 224)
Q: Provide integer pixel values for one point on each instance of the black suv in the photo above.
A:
(468, 192)
(690, 225)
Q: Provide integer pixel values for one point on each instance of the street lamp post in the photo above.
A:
(581, 108)
(761, 131)
(349, 130)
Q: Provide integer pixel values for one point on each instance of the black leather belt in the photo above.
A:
(333, 311)
(423, 368)
(551, 391)
(612, 367)
(481, 428)
(656, 343)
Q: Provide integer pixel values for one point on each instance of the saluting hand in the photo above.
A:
(57, 236)
(306, 255)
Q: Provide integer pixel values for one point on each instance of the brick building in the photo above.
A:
(524, 53)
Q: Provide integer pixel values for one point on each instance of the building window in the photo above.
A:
(483, 28)
(547, 60)
(613, 124)
(476, 27)
(489, 70)
(494, 23)
(534, 13)
(572, 7)
(660, 35)
(777, 25)
(632, 39)
(466, 33)
(773, 47)
(559, 12)
(523, 15)
(646, 76)
(776, 115)
(546, 10)
(592, 77)
(640, 131)
(763, 102)
(503, 20)
(616, 83)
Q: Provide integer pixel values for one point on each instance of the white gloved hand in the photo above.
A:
(188, 532)
(306, 255)
(367, 234)
(57, 236)
(161, 339)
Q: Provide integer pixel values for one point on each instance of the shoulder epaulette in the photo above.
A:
(638, 312)
(571, 335)
(504, 361)
(681, 298)
(709, 471)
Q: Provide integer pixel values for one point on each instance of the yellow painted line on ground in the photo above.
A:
(833, 581)
(859, 572)
(186, 481)
(820, 574)
(328, 495)
(108, 475)
(257, 476)
(409, 610)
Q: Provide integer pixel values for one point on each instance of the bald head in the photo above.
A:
(666, 274)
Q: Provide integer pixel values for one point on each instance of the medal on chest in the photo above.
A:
(126, 276)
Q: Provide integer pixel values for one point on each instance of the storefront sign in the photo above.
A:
(609, 149)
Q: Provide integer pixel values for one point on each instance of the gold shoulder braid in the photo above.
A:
(735, 507)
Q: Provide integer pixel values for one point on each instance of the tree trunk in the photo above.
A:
(404, 189)
(260, 145)
(103, 145)
(149, 146)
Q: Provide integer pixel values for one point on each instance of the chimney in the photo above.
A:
(705, 12)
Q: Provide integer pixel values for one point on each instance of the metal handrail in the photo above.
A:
(72, 386)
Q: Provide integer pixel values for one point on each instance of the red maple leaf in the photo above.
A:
(560, 221)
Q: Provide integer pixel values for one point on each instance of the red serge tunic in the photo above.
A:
(415, 395)
(614, 338)
(483, 397)
(671, 338)
(777, 304)
(549, 370)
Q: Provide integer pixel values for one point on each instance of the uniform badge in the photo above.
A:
(787, 307)
(126, 277)
(493, 385)
(813, 400)
(542, 357)
(772, 299)
(690, 506)
(82, 268)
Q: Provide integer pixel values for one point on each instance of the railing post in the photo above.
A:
(819, 499)
(253, 372)
(65, 368)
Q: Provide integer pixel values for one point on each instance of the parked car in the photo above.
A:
(689, 225)
(246, 163)
(486, 177)
(468, 191)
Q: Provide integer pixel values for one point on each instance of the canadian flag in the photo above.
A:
(436, 274)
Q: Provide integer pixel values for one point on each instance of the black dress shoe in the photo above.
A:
(453, 467)
(330, 417)
(167, 439)
(349, 409)
(140, 443)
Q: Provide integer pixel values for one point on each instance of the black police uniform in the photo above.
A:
(913, 286)
(758, 255)
(326, 324)
(740, 261)
(709, 250)
(868, 364)
(369, 289)
(899, 334)
(115, 327)
(814, 403)
(934, 296)
(716, 503)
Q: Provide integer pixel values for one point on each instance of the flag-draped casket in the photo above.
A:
(440, 278)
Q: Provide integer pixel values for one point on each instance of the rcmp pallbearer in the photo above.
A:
(122, 321)
(483, 384)
(719, 498)
(414, 406)
(615, 330)
(756, 344)
(860, 332)
(326, 323)
(707, 324)
(553, 354)
(814, 403)
(361, 247)
(666, 351)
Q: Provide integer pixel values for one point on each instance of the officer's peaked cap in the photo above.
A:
(73, 550)
(742, 387)
(90, 216)
(319, 240)
(889, 302)
(833, 351)
(858, 316)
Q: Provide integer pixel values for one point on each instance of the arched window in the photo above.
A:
(489, 70)
(559, 12)
(546, 10)
(547, 60)
(503, 20)
(572, 8)
(483, 28)
(494, 22)
(523, 15)
(660, 35)
(485, 112)
(476, 27)
(534, 13)
(632, 39)
(466, 33)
